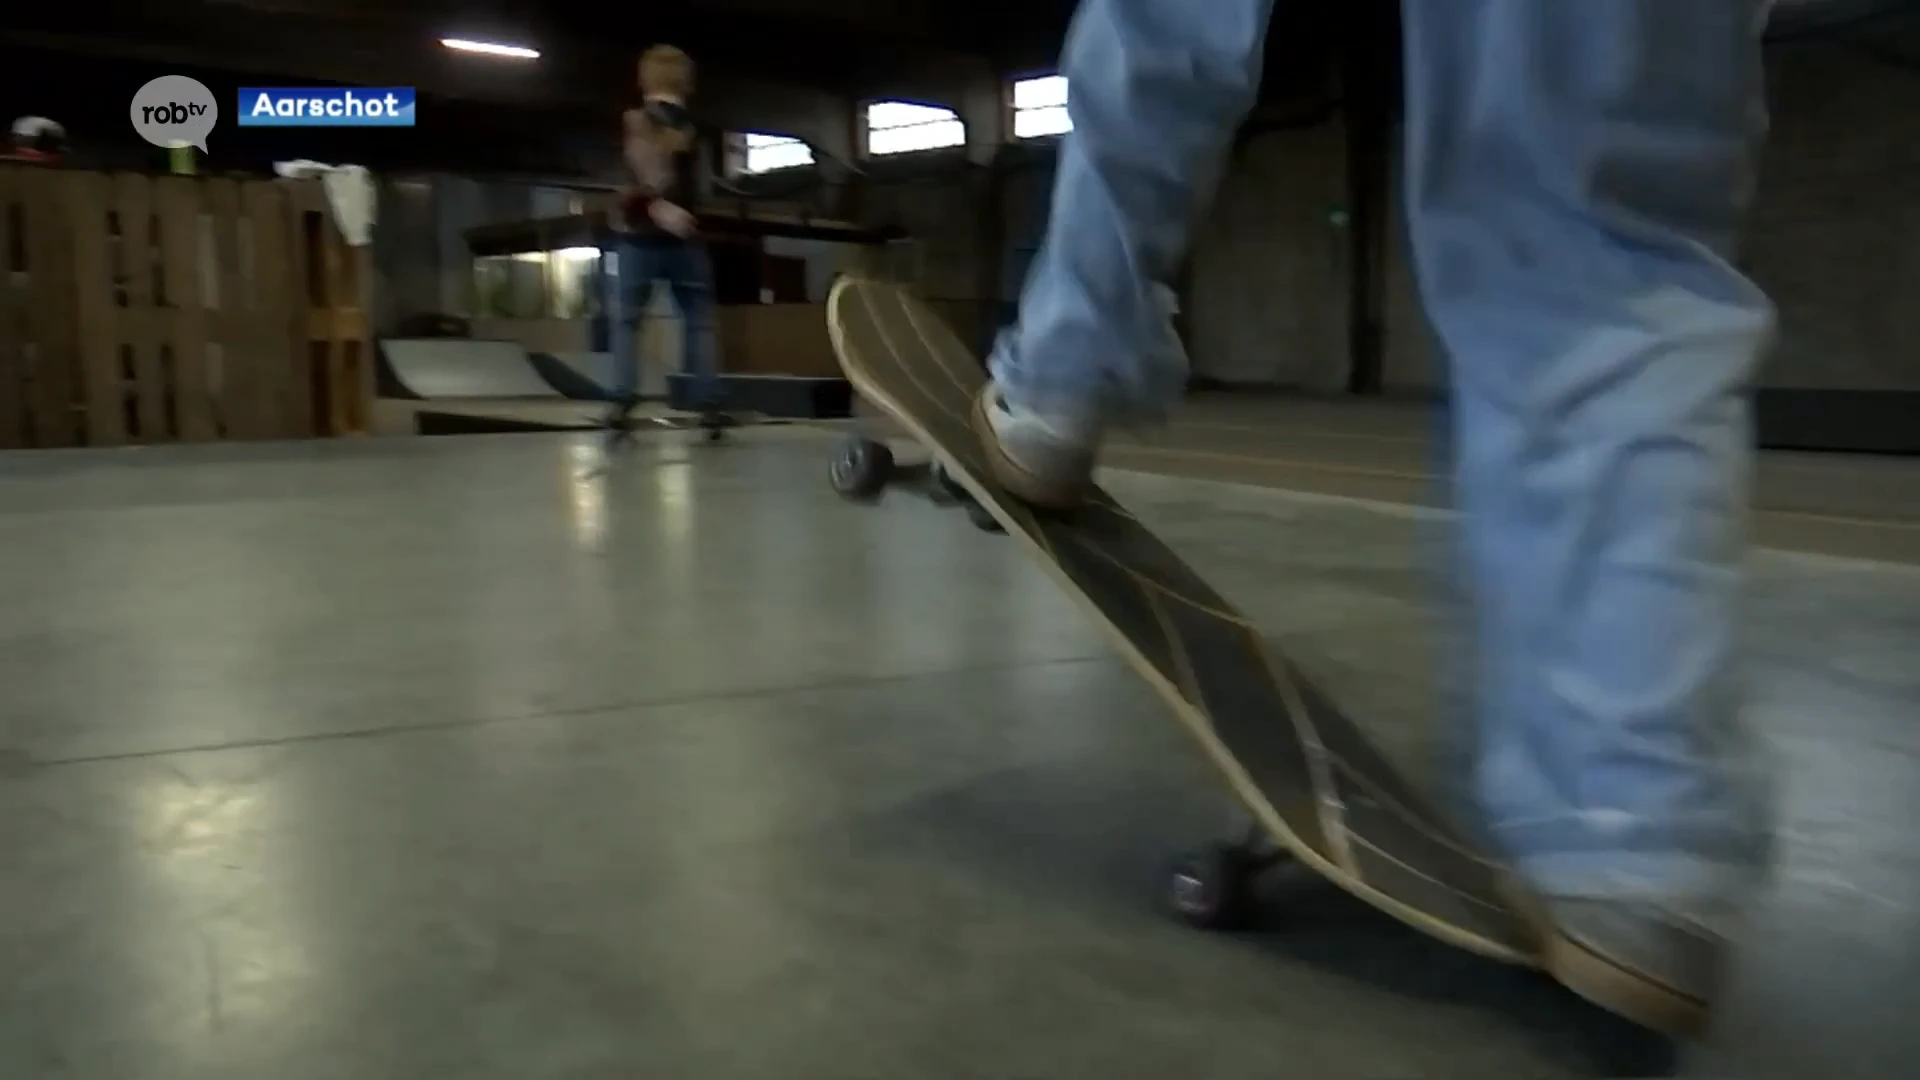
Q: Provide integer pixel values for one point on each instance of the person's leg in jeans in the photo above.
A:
(631, 290)
(1576, 177)
(690, 277)
(1156, 89)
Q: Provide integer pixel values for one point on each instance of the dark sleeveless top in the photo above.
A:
(682, 187)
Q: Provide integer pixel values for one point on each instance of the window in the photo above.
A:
(1040, 107)
(899, 127)
(765, 153)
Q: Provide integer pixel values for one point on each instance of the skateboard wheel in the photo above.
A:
(860, 468)
(1212, 888)
(982, 518)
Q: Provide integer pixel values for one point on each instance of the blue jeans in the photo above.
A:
(689, 277)
(1576, 171)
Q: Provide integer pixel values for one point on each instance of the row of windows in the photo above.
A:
(899, 127)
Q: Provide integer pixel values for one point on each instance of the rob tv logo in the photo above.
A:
(174, 111)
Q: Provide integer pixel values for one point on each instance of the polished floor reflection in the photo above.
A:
(444, 758)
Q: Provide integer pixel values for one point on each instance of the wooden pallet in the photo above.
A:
(153, 309)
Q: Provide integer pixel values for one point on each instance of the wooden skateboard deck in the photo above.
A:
(1304, 770)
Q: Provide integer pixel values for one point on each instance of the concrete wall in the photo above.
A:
(957, 241)
(1836, 231)
(406, 252)
(1834, 235)
(1266, 300)
(823, 259)
(420, 257)
(825, 120)
(423, 263)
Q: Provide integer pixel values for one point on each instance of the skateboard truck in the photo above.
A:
(862, 469)
(1213, 887)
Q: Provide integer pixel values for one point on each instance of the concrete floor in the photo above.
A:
(412, 758)
(1836, 504)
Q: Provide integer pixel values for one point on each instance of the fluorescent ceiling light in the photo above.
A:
(518, 52)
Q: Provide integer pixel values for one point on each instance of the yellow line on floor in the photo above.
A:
(1888, 524)
(1281, 429)
(1266, 459)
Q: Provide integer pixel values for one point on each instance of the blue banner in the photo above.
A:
(324, 106)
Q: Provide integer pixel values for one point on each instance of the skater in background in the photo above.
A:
(657, 235)
(1576, 172)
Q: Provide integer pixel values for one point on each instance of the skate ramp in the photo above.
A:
(452, 368)
(583, 376)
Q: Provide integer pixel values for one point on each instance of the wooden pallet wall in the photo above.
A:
(39, 391)
(331, 316)
(155, 309)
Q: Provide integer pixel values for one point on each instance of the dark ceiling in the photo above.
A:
(844, 46)
(80, 62)
(587, 48)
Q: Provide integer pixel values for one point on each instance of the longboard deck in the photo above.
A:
(1303, 769)
(1305, 772)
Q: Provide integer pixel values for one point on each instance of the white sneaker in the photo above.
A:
(1043, 460)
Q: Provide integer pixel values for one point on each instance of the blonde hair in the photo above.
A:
(665, 69)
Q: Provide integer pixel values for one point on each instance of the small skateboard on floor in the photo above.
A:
(621, 434)
(713, 427)
(1317, 790)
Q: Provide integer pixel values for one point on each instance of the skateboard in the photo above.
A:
(1316, 790)
(617, 436)
(620, 432)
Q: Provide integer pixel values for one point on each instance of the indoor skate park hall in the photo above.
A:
(370, 713)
